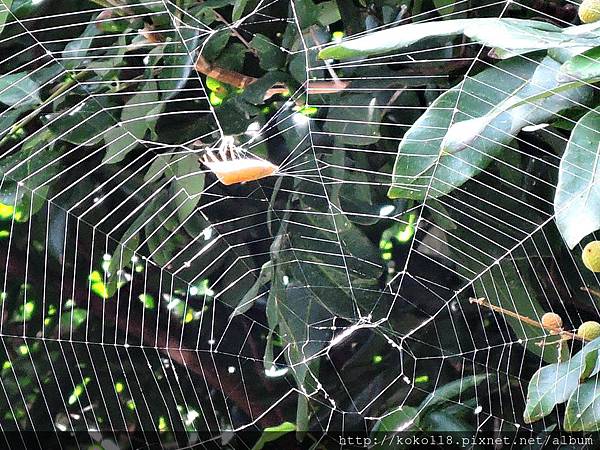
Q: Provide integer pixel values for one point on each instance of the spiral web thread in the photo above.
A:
(197, 380)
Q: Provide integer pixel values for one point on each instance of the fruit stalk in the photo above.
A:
(483, 302)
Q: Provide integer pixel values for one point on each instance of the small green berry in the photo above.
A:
(589, 330)
(591, 256)
(589, 11)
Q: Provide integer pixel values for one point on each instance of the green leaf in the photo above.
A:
(306, 12)
(232, 57)
(354, 196)
(354, 120)
(554, 383)
(441, 216)
(178, 64)
(584, 66)
(121, 258)
(129, 241)
(137, 117)
(408, 418)
(161, 242)
(33, 168)
(505, 280)
(577, 197)
(270, 55)
(188, 185)
(462, 134)
(4, 13)
(265, 276)
(76, 50)
(84, 123)
(451, 390)
(33, 201)
(73, 318)
(445, 422)
(292, 307)
(8, 118)
(157, 168)
(328, 13)
(239, 7)
(456, 149)
(214, 44)
(444, 7)
(19, 88)
(403, 419)
(271, 434)
(509, 36)
(231, 114)
(564, 54)
(312, 38)
(338, 280)
(205, 11)
(255, 92)
(583, 408)
(548, 93)
(25, 8)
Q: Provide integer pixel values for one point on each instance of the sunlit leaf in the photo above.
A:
(583, 408)
(584, 66)
(271, 434)
(555, 383)
(508, 37)
(19, 89)
(577, 196)
(467, 126)
(4, 13)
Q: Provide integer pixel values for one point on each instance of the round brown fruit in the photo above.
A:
(552, 320)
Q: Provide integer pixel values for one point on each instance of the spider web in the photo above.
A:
(178, 344)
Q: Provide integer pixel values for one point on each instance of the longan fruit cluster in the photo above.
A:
(589, 11)
(552, 320)
(591, 254)
(588, 331)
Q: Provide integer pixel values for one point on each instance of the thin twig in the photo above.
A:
(525, 319)
(594, 292)
(235, 32)
(226, 76)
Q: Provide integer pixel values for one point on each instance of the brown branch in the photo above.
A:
(525, 319)
(327, 87)
(226, 76)
(240, 81)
